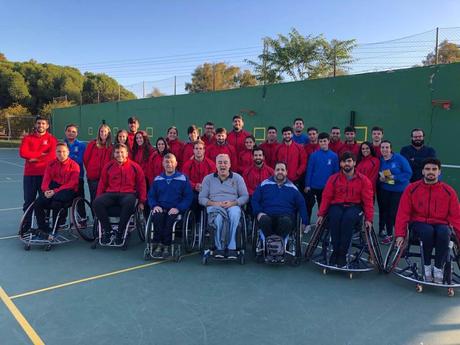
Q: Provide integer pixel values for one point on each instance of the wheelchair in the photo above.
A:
(364, 254)
(406, 261)
(207, 245)
(292, 245)
(135, 222)
(184, 227)
(61, 232)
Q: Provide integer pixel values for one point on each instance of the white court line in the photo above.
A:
(16, 165)
(10, 181)
(8, 237)
(10, 209)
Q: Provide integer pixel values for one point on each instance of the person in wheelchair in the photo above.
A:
(275, 203)
(223, 193)
(122, 182)
(346, 195)
(428, 208)
(169, 195)
(59, 188)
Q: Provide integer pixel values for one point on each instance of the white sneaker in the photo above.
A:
(428, 276)
(438, 275)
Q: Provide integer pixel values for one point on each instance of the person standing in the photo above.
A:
(350, 143)
(377, 137)
(37, 149)
(293, 155)
(133, 125)
(417, 152)
(209, 133)
(237, 136)
(298, 136)
(270, 145)
(222, 146)
(187, 153)
(175, 145)
(368, 164)
(336, 142)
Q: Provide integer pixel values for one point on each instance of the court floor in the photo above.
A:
(75, 295)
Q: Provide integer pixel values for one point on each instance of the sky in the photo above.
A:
(138, 40)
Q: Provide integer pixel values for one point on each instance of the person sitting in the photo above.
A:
(275, 204)
(346, 195)
(59, 187)
(223, 193)
(169, 195)
(428, 207)
(122, 181)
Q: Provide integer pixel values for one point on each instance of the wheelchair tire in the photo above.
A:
(394, 255)
(314, 240)
(298, 242)
(140, 225)
(24, 227)
(86, 230)
(373, 247)
(188, 231)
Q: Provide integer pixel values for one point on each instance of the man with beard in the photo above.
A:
(293, 155)
(222, 146)
(38, 149)
(133, 125)
(270, 145)
(276, 202)
(428, 207)
(417, 152)
(257, 172)
(336, 142)
(346, 195)
(223, 193)
(237, 136)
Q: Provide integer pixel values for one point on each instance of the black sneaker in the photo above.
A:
(119, 240)
(333, 259)
(341, 261)
(232, 254)
(105, 239)
(158, 252)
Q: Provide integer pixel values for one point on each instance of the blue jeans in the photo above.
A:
(234, 214)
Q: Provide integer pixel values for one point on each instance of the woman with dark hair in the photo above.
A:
(367, 163)
(142, 151)
(245, 159)
(155, 166)
(97, 154)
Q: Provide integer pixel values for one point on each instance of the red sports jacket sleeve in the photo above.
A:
(328, 194)
(367, 196)
(103, 181)
(25, 151)
(46, 178)
(302, 162)
(141, 187)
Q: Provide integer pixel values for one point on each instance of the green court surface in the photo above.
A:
(75, 295)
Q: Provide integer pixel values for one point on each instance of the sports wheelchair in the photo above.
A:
(62, 225)
(206, 239)
(406, 261)
(136, 222)
(184, 227)
(363, 255)
(290, 247)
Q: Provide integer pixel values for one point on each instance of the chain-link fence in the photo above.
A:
(415, 50)
(14, 127)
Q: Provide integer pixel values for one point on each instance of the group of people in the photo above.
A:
(225, 170)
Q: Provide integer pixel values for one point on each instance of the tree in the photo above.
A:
(155, 93)
(298, 57)
(218, 76)
(2, 57)
(47, 109)
(13, 87)
(98, 88)
(448, 52)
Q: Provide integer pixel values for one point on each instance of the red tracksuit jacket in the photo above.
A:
(155, 166)
(339, 189)
(270, 152)
(244, 160)
(369, 166)
(196, 171)
(349, 148)
(294, 156)
(66, 174)
(236, 139)
(336, 146)
(187, 153)
(131, 139)
(95, 158)
(428, 203)
(123, 178)
(33, 146)
(253, 176)
(176, 147)
(207, 141)
(213, 150)
(139, 158)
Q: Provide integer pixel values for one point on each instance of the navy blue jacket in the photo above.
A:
(416, 158)
(172, 191)
(321, 166)
(76, 151)
(277, 200)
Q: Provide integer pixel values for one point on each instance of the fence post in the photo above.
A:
(175, 85)
(436, 53)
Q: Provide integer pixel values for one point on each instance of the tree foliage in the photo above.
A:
(219, 76)
(298, 57)
(36, 86)
(448, 52)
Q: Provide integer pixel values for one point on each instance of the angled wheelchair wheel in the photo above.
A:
(27, 221)
(373, 247)
(140, 224)
(188, 231)
(394, 255)
(82, 217)
(314, 239)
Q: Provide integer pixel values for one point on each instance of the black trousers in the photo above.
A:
(102, 204)
(55, 203)
(342, 222)
(313, 195)
(277, 225)
(92, 186)
(163, 223)
(388, 208)
(433, 236)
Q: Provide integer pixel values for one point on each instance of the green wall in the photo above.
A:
(396, 100)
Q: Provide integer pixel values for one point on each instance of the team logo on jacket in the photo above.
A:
(393, 165)
(329, 161)
(75, 149)
(45, 142)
